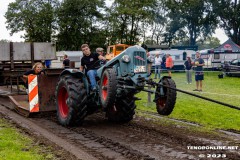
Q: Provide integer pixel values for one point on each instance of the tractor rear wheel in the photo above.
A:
(71, 99)
(166, 102)
(108, 87)
(122, 111)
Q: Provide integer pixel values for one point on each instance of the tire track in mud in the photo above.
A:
(159, 143)
(92, 143)
(132, 145)
(134, 140)
(177, 143)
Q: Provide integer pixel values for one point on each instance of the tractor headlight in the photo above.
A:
(126, 58)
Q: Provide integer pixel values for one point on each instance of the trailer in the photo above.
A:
(40, 97)
(17, 57)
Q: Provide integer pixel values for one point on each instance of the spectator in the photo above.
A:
(36, 70)
(169, 64)
(188, 67)
(199, 76)
(157, 61)
(163, 65)
(66, 61)
(149, 64)
(89, 64)
(100, 51)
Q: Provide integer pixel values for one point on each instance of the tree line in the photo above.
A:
(71, 23)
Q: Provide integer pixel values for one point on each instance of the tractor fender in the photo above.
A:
(103, 68)
(78, 74)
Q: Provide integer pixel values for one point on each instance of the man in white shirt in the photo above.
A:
(158, 61)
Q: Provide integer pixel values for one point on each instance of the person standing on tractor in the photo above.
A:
(100, 51)
(198, 63)
(90, 63)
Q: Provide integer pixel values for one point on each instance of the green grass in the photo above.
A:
(208, 114)
(16, 146)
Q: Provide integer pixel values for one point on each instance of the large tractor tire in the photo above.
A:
(166, 101)
(122, 111)
(108, 88)
(71, 97)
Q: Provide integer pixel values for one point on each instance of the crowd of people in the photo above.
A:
(166, 63)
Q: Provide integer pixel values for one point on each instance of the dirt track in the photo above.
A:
(143, 138)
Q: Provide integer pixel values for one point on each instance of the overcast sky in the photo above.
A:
(16, 37)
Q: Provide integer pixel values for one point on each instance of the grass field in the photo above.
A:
(208, 114)
(17, 146)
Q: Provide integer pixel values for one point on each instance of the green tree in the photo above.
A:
(158, 22)
(228, 12)
(195, 17)
(79, 22)
(126, 17)
(208, 43)
(35, 17)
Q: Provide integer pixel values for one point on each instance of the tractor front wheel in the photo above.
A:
(71, 99)
(108, 87)
(165, 97)
(122, 111)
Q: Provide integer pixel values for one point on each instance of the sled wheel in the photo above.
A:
(166, 102)
(71, 99)
(108, 87)
(122, 111)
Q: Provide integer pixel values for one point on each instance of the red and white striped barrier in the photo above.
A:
(33, 93)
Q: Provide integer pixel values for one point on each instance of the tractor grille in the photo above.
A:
(139, 59)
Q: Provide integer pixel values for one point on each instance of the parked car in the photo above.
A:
(232, 68)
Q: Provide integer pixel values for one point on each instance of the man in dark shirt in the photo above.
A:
(89, 64)
(198, 63)
(66, 61)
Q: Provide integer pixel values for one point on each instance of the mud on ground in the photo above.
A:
(146, 137)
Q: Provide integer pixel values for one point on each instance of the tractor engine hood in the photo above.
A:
(132, 63)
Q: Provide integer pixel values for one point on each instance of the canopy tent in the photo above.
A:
(227, 47)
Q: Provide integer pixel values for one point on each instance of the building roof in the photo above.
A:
(158, 46)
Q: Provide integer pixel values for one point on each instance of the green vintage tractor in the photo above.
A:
(119, 80)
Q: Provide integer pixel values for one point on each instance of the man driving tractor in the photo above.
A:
(89, 63)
